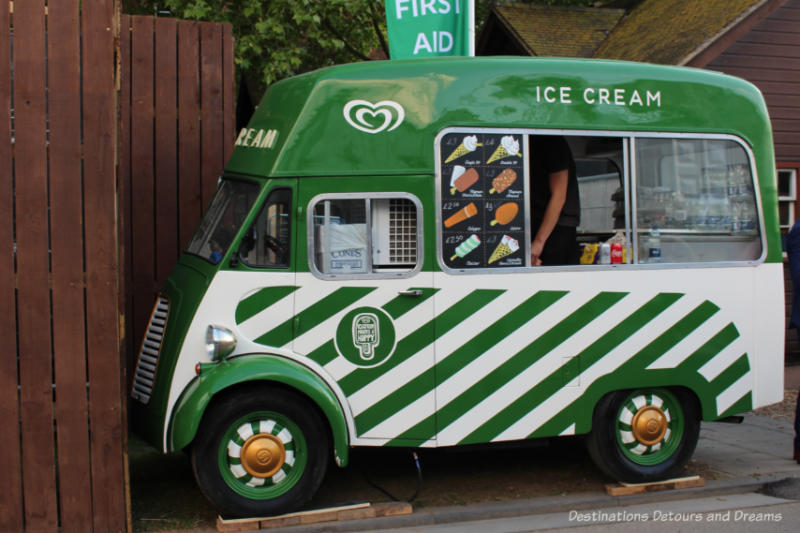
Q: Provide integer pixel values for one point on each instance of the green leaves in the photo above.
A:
(280, 38)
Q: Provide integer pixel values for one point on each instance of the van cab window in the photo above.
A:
(267, 241)
(230, 206)
(365, 235)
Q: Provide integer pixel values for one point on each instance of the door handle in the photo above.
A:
(410, 292)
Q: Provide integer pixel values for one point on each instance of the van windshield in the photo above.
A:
(231, 204)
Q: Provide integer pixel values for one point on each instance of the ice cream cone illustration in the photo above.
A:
(506, 247)
(462, 214)
(464, 181)
(505, 213)
(503, 181)
(467, 246)
(468, 144)
(508, 147)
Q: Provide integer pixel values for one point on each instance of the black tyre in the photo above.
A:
(260, 452)
(645, 434)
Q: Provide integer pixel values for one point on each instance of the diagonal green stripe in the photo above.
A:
(589, 356)
(324, 354)
(519, 362)
(745, 403)
(710, 349)
(260, 300)
(421, 338)
(730, 375)
(313, 315)
(403, 304)
(461, 357)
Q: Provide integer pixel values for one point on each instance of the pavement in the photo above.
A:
(754, 456)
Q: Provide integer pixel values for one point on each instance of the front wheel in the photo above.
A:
(260, 452)
(645, 434)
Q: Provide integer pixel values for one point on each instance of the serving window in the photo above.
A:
(641, 198)
(365, 235)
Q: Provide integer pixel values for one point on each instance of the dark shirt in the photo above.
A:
(793, 254)
(551, 154)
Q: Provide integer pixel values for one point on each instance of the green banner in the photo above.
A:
(428, 28)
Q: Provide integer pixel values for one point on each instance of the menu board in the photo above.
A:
(482, 202)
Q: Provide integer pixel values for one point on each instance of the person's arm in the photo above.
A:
(558, 196)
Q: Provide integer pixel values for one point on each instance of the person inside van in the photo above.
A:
(555, 204)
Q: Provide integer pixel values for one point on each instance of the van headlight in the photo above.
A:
(220, 342)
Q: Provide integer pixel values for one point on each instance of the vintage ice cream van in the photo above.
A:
(363, 276)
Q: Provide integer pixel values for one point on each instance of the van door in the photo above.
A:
(363, 308)
(262, 272)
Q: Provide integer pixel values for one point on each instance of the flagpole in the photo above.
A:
(471, 30)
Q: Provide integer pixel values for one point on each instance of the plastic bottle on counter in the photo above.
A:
(653, 246)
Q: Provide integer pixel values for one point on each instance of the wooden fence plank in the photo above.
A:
(66, 238)
(229, 92)
(142, 166)
(33, 326)
(11, 487)
(108, 436)
(124, 197)
(211, 112)
(189, 178)
(166, 149)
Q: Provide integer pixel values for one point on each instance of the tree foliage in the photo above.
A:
(280, 38)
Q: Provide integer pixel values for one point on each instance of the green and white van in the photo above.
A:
(362, 276)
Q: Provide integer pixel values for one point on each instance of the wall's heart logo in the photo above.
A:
(374, 118)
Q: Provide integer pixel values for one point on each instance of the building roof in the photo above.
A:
(557, 31)
(672, 31)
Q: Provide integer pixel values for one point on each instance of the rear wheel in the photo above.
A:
(260, 452)
(645, 434)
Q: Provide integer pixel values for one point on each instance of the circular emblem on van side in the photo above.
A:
(365, 336)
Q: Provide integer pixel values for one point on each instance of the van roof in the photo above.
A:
(381, 117)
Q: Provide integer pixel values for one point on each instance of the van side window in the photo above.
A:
(267, 243)
(695, 201)
(370, 235)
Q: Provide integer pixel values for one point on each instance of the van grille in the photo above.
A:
(145, 375)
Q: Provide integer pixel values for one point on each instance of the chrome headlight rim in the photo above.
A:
(220, 342)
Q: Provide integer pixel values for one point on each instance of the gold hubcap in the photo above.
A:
(649, 425)
(263, 455)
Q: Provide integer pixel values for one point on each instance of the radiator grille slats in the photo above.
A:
(145, 374)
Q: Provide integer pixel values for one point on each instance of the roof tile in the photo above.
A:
(667, 31)
(559, 31)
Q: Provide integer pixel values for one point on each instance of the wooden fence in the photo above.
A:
(62, 444)
(176, 133)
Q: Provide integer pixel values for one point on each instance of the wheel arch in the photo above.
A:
(693, 384)
(228, 376)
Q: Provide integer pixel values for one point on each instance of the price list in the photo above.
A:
(482, 200)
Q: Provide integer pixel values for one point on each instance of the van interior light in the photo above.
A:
(220, 342)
